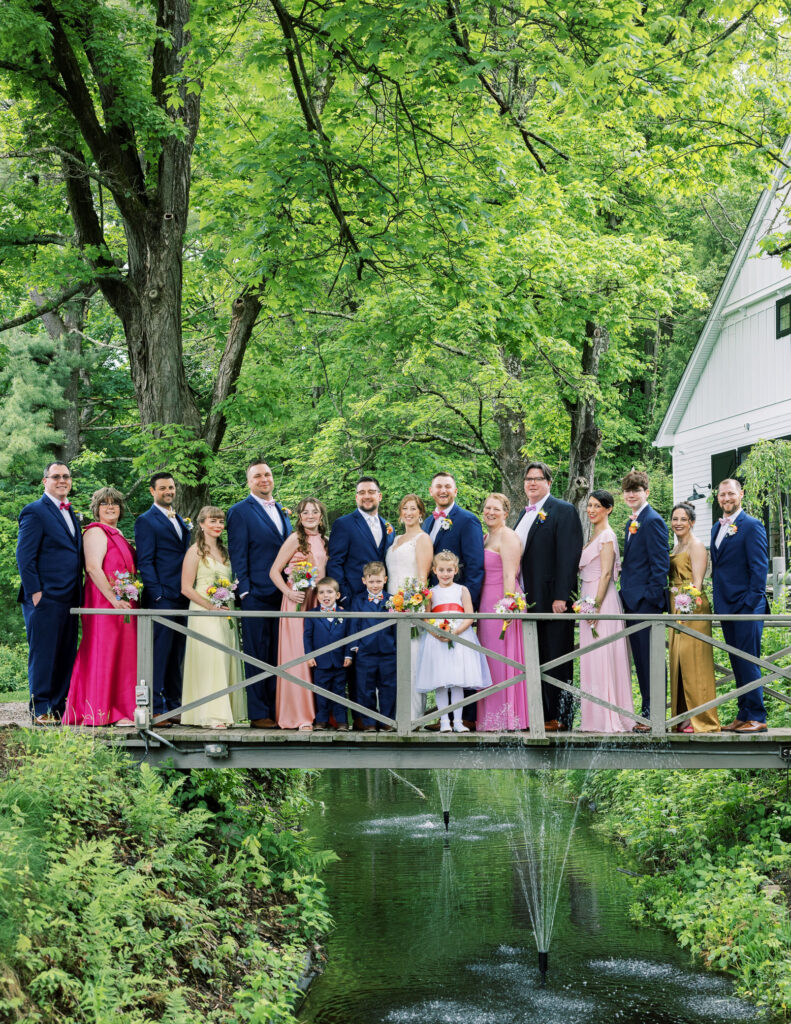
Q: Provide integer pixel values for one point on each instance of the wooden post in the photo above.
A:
(144, 694)
(403, 630)
(535, 703)
(657, 680)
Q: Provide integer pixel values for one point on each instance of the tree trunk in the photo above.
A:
(585, 434)
(511, 429)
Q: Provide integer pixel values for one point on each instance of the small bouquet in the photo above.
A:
(588, 606)
(221, 591)
(687, 599)
(510, 605)
(445, 625)
(412, 597)
(126, 587)
(303, 576)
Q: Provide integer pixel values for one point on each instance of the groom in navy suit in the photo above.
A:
(644, 573)
(740, 562)
(162, 538)
(257, 527)
(49, 556)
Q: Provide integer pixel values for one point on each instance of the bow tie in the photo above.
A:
(170, 513)
(332, 609)
(726, 521)
(439, 514)
(634, 515)
(268, 504)
(530, 508)
(65, 504)
(376, 598)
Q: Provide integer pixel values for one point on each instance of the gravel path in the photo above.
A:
(15, 713)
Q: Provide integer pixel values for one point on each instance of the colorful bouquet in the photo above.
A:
(688, 599)
(414, 596)
(587, 606)
(126, 587)
(445, 625)
(303, 575)
(511, 604)
(221, 591)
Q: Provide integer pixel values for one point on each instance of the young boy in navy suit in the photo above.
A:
(329, 670)
(376, 654)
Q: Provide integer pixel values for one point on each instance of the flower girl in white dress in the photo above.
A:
(444, 666)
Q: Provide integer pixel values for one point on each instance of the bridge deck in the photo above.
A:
(242, 747)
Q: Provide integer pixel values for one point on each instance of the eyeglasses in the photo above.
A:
(59, 476)
(110, 504)
(534, 479)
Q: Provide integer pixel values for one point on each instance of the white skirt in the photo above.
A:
(438, 665)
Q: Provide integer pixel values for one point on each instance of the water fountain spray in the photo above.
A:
(446, 783)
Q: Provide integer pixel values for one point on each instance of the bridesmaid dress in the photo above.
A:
(207, 670)
(508, 708)
(103, 681)
(606, 672)
(691, 662)
(295, 706)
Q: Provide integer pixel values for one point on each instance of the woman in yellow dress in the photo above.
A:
(691, 661)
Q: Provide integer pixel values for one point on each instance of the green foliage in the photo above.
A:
(713, 849)
(13, 667)
(121, 896)
(766, 473)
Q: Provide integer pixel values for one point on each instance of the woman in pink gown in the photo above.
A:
(295, 707)
(607, 671)
(502, 553)
(102, 690)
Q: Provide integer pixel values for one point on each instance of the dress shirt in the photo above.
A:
(171, 517)
(270, 507)
(373, 522)
(62, 511)
(527, 520)
(724, 528)
(447, 513)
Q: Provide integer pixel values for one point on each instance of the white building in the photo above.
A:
(736, 388)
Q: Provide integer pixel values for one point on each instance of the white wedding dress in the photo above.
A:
(401, 565)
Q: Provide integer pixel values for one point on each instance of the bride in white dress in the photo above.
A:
(410, 555)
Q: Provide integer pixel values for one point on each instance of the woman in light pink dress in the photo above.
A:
(295, 707)
(607, 671)
(501, 556)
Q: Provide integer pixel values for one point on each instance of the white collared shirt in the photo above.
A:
(438, 521)
(724, 529)
(527, 520)
(374, 523)
(64, 512)
(271, 511)
(172, 519)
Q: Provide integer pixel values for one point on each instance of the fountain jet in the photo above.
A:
(543, 965)
(446, 819)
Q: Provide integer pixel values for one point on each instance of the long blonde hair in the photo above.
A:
(209, 512)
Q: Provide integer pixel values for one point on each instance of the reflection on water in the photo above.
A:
(433, 927)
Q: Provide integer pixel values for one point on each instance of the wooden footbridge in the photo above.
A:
(407, 744)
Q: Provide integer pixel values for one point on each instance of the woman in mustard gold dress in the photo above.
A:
(691, 661)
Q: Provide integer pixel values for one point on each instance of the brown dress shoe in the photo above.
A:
(432, 727)
(553, 725)
(751, 727)
(262, 723)
(367, 728)
(386, 728)
(639, 727)
(734, 725)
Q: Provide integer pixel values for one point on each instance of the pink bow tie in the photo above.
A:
(268, 504)
(65, 504)
(725, 521)
(634, 515)
(439, 514)
(530, 508)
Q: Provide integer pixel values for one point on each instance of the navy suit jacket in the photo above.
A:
(253, 544)
(160, 555)
(550, 561)
(49, 558)
(383, 642)
(318, 632)
(739, 566)
(352, 546)
(646, 561)
(465, 539)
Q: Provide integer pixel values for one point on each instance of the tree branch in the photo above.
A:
(48, 307)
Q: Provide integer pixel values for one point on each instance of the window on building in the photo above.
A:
(783, 317)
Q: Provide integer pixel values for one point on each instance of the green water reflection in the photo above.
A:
(435, 929)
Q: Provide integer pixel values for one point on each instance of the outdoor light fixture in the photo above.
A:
(696, 495)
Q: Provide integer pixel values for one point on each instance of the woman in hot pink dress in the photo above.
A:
(501, 555)
(102, 690)
(295, 708)
(607, 671)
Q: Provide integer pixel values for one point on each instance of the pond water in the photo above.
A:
(433, 927)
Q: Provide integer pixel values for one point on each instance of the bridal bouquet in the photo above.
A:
(687, 599)
(126, 587)
(511, 604)
(221, 591)
(445, 625)
(587, 606)
(412, 597)
(303, 575)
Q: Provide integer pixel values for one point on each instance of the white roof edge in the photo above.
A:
(665, 437)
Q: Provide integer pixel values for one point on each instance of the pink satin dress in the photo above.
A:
(508, 708)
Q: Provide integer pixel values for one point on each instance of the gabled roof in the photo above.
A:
(711, 330)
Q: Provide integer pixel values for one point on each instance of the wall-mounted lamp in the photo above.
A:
(696, 495)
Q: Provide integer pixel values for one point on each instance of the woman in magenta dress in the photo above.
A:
(607, 671)
(102, 690)
(295, 707)
(501, 556)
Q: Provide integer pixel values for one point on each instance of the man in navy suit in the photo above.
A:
(550, 532)
(740, 562)
(49, 556)
(257, 527)
(162, 538)
(644, 573)
(453, 528)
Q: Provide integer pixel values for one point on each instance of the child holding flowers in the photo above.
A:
(443, 665)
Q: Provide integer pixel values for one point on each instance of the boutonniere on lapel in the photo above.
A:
(732, 528)
(388, 527)
(541, 516)
(188, 523)
(286, 511)
(445, 523)
(634, 526)
(79, 515)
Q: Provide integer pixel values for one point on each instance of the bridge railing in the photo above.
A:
(530, 671)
